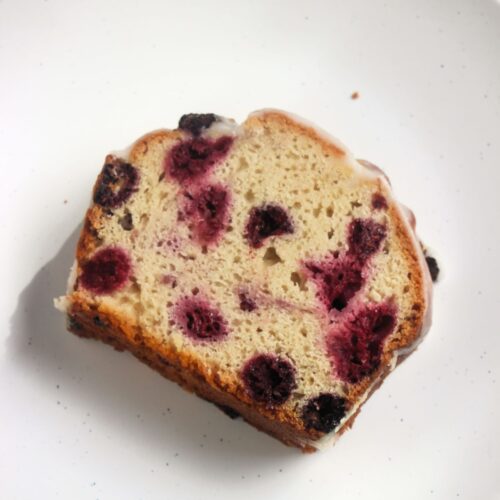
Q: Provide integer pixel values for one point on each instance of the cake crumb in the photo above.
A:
(355, 95)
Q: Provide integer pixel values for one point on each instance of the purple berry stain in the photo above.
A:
(192, 159)
(339, 277)
(208, 209)
(116, 184)
(337, 280)
(247, 304)
(324, 412)
(266, 221)
(269, 379)
(106, 271)
(379, 202)
(355, 346)
(199, 320)
(365, 237)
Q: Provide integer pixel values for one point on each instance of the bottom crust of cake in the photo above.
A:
(87, 325)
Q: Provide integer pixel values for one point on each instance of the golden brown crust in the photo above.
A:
(92, 321)
(190, 372)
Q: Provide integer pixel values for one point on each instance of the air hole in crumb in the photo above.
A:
(144, 220)
(329, 211)
(330, 234)
(139, 308)
(303, 332)
(299, 280)
(297, 204)
(229, 229)
(356, 204)
(250, 196)
(195, 291)
(271, 257)
(406, 289)
(317, 211)
(169, 304)
(243, 164)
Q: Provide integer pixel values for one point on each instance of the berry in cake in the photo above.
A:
(269, 379)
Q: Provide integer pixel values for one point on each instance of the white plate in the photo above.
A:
(81, 421)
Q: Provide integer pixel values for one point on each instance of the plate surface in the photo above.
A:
(81, 421)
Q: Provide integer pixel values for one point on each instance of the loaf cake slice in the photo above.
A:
(258, 265)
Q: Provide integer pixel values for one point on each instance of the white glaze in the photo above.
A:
(124, 153)
(222, 126)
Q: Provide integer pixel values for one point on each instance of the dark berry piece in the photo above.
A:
(324, 412)
(232, 414)
(99, 322)
(356, 345)
(199, 320)
(433, 267)
(365, 237)
(246, 303)
(209, 209)
(337, 280)
(269, 379)
(265, 221)
(379, 202)
(116, 184)
(106, 271)
(195, 123)
(73, 323)
(192, 159)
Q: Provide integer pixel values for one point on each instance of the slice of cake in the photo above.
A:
(259, 265)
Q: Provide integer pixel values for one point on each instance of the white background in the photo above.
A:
(77, 79)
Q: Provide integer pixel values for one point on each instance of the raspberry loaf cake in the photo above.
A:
(259, 265)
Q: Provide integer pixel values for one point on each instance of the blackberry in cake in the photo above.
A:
(258, 265)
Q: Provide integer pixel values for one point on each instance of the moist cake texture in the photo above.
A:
(259, 265)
